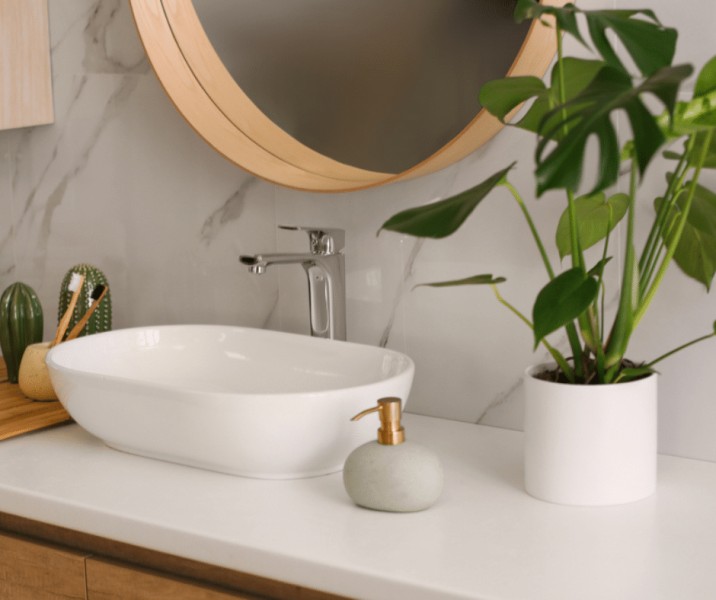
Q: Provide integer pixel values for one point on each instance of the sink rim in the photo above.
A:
(406, 363)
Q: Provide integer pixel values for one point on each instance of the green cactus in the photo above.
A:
(20, 325)
(101, 320)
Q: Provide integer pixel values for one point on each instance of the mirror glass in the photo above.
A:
(377, 84)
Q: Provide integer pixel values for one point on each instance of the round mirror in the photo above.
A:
(337, 95)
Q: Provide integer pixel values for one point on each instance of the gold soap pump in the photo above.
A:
(392, 474)
(391, 432)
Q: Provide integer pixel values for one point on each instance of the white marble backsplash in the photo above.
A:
(121, 181)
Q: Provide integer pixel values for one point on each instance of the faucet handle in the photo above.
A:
(323, 240)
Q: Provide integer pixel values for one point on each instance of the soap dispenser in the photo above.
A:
(392, 474)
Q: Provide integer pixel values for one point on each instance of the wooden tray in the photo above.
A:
(20, 415)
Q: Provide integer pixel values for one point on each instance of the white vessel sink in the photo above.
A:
(237, 400)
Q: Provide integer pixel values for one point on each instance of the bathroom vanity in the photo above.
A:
(80, 520)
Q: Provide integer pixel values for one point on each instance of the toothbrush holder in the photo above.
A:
(101, 319)
(34, 377)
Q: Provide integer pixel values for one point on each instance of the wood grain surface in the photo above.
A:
(20, 415)
(25, 72)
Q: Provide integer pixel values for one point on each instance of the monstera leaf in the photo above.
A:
(485, 279)
(560, 164)
(596, 217)
(566, 17)
(443, 218)
(706, 81)
(649, 44)
(696, 252)
(701, 140)
(562, 300)
(501, 96)
(566, 118)
(696, 116)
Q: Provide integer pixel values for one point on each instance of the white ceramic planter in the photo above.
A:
(590, 445)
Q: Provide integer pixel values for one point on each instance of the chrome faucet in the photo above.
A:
(325, 269)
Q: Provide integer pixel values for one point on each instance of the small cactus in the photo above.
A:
(21, 324)
(101, 320)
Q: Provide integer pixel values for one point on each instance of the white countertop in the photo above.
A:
(486, 538)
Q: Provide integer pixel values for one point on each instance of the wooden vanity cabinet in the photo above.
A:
(32, 571)
(45, 562)
(112, 581)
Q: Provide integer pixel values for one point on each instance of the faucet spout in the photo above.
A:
(325, 269)
(258, 263)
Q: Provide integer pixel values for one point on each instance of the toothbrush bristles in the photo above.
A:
(75, 282)
(97, 291)
(97, 295)
(75, 286)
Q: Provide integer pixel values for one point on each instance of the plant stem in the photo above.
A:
(674, 241)
(655, 242)
(571, 330)
(586, 320)
(514, 310)
(595, 313)
(653, 237)
(624, 321)
(533, 229)
(605, 251)
(556, 354)
(577, 258)
(680, 348)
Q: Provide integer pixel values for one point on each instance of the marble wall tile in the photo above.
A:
(122, 181)
(7, 158)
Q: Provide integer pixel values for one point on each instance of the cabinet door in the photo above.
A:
(25, 73)
(110, 581)
(33, 571)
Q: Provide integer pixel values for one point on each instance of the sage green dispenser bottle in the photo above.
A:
(392, 474)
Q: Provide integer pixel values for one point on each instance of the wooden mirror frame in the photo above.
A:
(211, 101)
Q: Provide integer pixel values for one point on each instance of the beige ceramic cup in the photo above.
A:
(34, 376)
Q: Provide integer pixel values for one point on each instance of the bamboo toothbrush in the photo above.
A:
(75, 286)
(98, 293)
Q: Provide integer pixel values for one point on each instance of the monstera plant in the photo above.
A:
(581, 102)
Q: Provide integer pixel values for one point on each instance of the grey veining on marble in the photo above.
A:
(107, 38)
(402, 287)
(38, 204)
(230, 211)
